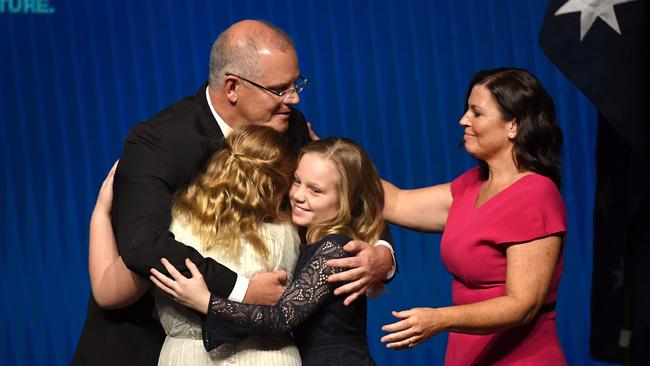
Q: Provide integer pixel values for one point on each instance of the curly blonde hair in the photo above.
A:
(242, 186)
(360, 192)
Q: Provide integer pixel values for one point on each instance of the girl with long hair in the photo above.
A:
(336, 196)
(231, 212)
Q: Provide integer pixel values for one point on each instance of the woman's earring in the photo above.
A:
(511, 135)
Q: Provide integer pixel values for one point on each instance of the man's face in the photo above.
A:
(278, 72)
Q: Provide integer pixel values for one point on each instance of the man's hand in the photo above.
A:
(266, 288)
(367, 269)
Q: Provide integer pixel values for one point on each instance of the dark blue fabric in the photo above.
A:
(618, 87)
(390, 74)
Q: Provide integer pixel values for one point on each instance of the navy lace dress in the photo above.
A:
(325, 331)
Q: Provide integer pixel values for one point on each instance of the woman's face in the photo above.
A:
(314, 194)
(487, 135)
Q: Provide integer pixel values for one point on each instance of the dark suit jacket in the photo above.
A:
(160, 156)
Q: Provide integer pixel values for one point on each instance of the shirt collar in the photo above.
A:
(225, 129)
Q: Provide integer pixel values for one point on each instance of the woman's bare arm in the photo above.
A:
(423, 209)
(113, 284)
(530, 268)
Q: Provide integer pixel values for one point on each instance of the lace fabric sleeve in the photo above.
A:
(229, 321)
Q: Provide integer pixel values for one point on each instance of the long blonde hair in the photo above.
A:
(361, 194)
(243, 185)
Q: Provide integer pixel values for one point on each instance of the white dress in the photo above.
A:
(183, 344)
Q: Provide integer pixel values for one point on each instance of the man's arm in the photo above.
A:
(151, 169)
(145, 181)
(228, 322)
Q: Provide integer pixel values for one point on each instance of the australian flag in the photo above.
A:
(602, 47)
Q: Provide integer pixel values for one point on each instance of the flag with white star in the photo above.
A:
(601, 46)
(592, 10)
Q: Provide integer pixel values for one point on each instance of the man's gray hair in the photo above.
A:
(239, 56)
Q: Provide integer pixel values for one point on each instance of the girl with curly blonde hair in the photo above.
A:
(336, 196)
(232, 212)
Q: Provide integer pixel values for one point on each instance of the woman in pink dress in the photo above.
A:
(503, 223)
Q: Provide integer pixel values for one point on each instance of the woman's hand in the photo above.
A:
(530, 268)
(191, 292)
(416, 326)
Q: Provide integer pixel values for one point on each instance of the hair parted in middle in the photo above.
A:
(242, 186)
(361, 194)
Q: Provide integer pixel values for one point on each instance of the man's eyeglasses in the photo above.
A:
(285, 94)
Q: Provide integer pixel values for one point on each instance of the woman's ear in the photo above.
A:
(512, 129)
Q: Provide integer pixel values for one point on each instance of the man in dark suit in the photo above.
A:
(254, 79)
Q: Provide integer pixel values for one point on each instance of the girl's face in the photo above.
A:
(314, 194)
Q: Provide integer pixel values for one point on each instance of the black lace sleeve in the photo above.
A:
(229, 321)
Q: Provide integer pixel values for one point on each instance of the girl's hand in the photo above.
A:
(191, 292)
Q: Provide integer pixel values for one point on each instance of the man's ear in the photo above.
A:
(230, 87)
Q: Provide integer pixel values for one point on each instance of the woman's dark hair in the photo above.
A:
(521, 96)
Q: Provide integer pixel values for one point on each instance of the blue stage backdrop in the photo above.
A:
(75, 76)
